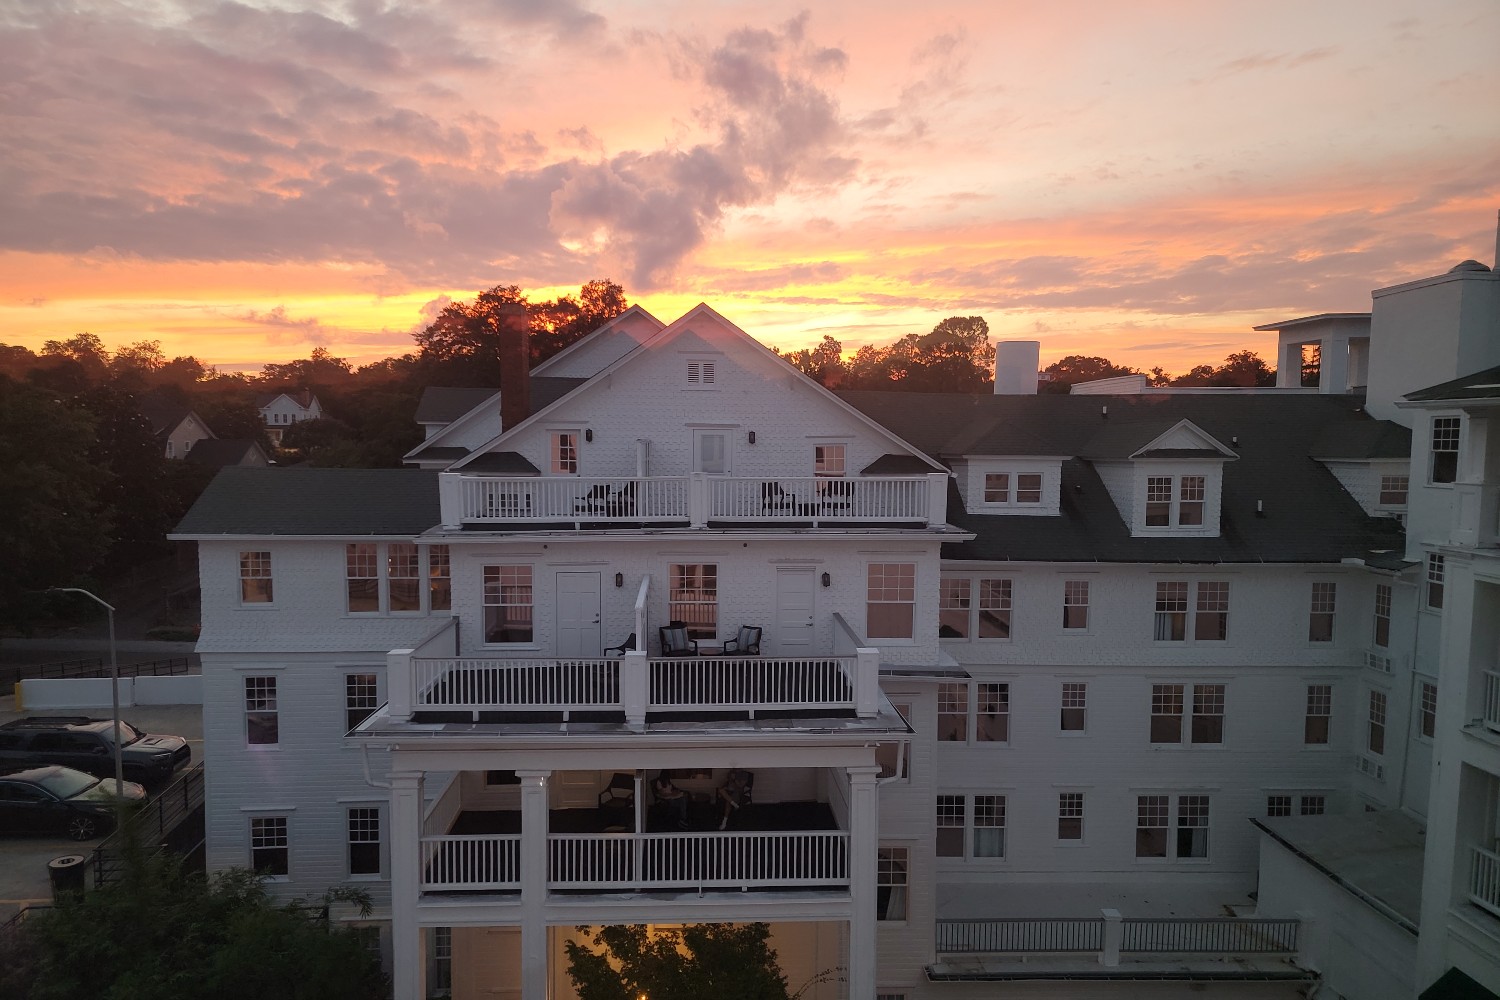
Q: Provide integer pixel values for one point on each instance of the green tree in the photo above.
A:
(321, 369)
(1075, 368)
(722, 961)
(955, 357)
(823, 364)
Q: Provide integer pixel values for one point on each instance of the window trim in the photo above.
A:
(905, 596)
(1434, 583)
(1174, 827)
(370, 691)
(500, 583)
(834, 464)
(1065, 812)
(563, 454)
(1426, 709)
(1447, 430)
(1010, 492)
(1172, 493)
(969, 826)
(284, 846)
(968, 704)
(1188, 696)
(381, 866)
(893, 872)
(1081, 706)
(1072, 590)
(1194, 614)
(254, 702)
(706, 576)
(1381, 623)
(1308, 714)
(982, 591)
(1377, 722)
(248, 576)
(1322, 607)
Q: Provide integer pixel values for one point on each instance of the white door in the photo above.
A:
(578, 615)
(793, 635)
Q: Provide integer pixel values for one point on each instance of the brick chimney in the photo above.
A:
(515, 364)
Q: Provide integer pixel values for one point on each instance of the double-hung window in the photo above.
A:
(1020, 489)
(1393, 490)
(1163, 831)
(954, 603)
(890, 600)
(970, 826)
(1375, 723)
(439, 579)
(1282, 804)
(1190, 491)
(953, 712)
(389, 577)
(361, 698)
(994, 608)
(262, 723)
(950, 826)
(270, 846)
(1320, 611)
(1318, 715)
(1075, 695)
(693, 598)
(1070, 816)
(960, 616)
(404, 573)
(362, 576)
(991, 722)
(564, 453)
(364, 840)
(1445, 437)
(1076, 604)
(1169, 703)
(828, 461)
(1435, 576)
(507, 604)
(1427, 709)
(892, 875)
(1175, 501)
(255, 578)
(1209, 600)
(1382, 635)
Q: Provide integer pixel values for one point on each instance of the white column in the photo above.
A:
(864, 840)
(408, 958)
(1114, 937)
(533, 884)
(867, 682)
(398, 685)
(1333, 364)
(937, 499)
(450, 499)
(1289, 364)
(697, 500)
(635, 673)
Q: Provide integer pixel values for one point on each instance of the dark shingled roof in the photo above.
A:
(442, 404)
(223, 452)
(503, 463)
(548, 389)
(1363, 440)
(1308, 515)
(443, 454)
(163, 414)
(302, 501)
(898, 465)
(1480, 385)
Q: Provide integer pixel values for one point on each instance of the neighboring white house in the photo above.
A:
(1065, 695)
(280, 410)
(176, 427)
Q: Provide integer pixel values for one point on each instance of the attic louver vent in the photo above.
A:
(700, 373)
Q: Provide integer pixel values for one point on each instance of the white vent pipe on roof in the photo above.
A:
(1017, 363)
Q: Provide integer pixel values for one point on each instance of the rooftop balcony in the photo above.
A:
(695, 501)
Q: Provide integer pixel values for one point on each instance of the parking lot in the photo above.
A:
(23, 859)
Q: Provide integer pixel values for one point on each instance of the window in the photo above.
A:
(989, 826)
(498, 778)
(1171, 611)
(891, 598)
(269, 845)
(1175, 501)
(1427, 709)
(1190, 500)
(364, 841)
(439, 579)
(1312, 805)
(1393, 490)
(261, 723)
(1445, 431)
(255, 578)
(711, 452)
(1074, 707)
(1192, 826)
(1076, 604)
(828, 461)
(1435, 582)
(1028, 487)
(507, 604)
(953, 608)
(994, 609)
(1069, 815)
(1158, 501)
(953, 713)
(1151, 825)
(950, 826)
(564, 458)
(442, 959)
(362, 574)
(1375, 725)
(891, 874)
(1320, 612)
(404, 572)
(1382, 614)
(361, 698)
(1210, 611)
(992, 713)
(1168, 704)
(1211, 623)
(1278, 805)
(693, 598)
(1319, 713)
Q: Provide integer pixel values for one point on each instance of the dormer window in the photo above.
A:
(1189, 492)
(1027, 487)
(1393, 491)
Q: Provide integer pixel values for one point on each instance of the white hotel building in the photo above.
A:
(1121, 693)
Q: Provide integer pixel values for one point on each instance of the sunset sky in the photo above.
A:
(1143, 180)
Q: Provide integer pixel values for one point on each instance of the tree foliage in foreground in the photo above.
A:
(722, 961)
(166, 934)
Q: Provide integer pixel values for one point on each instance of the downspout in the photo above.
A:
(1411, 693)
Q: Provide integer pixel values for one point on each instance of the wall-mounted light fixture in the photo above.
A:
(619, 579)
(588, 434)
(752, 437)
(827, 580)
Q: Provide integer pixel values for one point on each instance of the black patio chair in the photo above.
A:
(595, 501)
(617, 802)
(745, 643)
(675, 641)
(773, 497)
(625, 647)
(621, 502)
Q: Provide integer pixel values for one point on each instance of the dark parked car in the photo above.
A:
(56, 799)
(88, 745)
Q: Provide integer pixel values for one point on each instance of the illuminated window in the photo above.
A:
(693, 598)
(362, 576)
(507, 604)
(404, 572)
(255, 578)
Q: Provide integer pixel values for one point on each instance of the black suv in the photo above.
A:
(88, 745)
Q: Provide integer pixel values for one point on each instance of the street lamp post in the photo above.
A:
(114, 681)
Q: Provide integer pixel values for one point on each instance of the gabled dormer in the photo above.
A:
(1166, 480)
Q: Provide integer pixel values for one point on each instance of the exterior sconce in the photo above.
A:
(588, 434)
(752, 437)
(619, 579)
(827, 580)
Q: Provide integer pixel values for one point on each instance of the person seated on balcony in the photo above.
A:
(673, 799)
(734, 793)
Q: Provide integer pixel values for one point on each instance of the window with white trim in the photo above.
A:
(1427, 709)
(693, 598)
(507, 604)
(262, 722)
(404, 575)
(953, 712)
(1318, 715)
(954, 606)
(950, 826)
(892, 875)
(828, 461)
(439, 579)
(255, 578)
(992, 713)
(961, 616)
(970, 826)
(1027, 490)
(1167, 833)
(270, 846)
(1209, 600)
(1070, 816)
(364, 840)
(1320, 611)
(989, 826)
(1393, 490)
(1168, 714)
(1435, 575)
(362, 577)
(1190, 493)
(442, 960)
(1076, 604)
(1075, 698)
(1283, 804)
(1445, 438)
(994, 608)
(890, 600)
(1175, 501)
(1382, 636)
(563, 453)
(1375, 723)
(361, 698)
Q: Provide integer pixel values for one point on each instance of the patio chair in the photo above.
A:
(745, 643)
(675, 641)
(773, 497)
(621, 502)
(838, 494)
(595, 501)
(617, 802)
(625, 647)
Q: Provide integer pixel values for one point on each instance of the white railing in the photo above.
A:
(463, 684)
(697, 860)
(471, 861)
(1484, 880)
(752, 682)
(696, 500)
(1111, 936)
(1490, 710)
